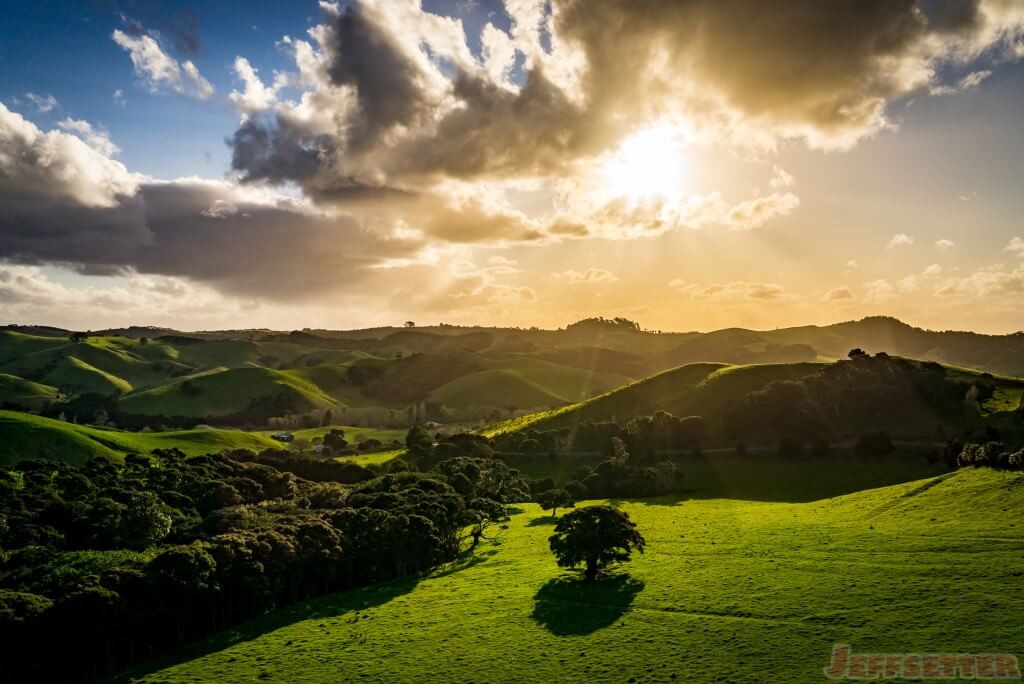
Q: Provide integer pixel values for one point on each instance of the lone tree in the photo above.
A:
(594, 536)
(553, 499)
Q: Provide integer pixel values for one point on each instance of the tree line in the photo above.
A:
(118, 562)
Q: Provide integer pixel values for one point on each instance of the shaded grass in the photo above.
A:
(764, 477)
(568, 606)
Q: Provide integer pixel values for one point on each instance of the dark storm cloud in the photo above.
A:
(389, 86)
(274, 150)
(497, 131)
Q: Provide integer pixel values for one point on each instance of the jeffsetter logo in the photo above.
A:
(849, 665)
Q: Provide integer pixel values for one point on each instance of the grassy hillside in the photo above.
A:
(525, 382)
(926, 566)
(465, 369)
(710, 390)
(25, 393)
(229, 391)
(15, 345)
(24, 436)
(98, 364)
(687, 390)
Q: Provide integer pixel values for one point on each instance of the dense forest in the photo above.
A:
(118, 562)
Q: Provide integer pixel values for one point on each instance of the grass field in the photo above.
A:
(728, 590)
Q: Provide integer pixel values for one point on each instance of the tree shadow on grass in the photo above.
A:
(568, 606)
(543, 520)
(468, 559)
(327, 607)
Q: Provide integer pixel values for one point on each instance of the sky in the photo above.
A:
(688, 164)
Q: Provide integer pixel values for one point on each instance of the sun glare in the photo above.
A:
(648, 164)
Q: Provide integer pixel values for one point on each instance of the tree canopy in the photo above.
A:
(595, 537)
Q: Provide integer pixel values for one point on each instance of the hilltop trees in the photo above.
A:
(553, 499)
(595, 536)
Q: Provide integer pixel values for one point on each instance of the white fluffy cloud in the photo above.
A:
(96, 138)
(160, 71)
(1016, 247)
(900, 240)
(255, 97)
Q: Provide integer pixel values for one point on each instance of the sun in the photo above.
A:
(648, 164)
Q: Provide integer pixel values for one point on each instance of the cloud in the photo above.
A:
(255, 97)
(880, 289)
(738, 290)
(42, 103)
(780, 178)
(465, 290)
(757, 212)
(837, 294)
(158, 70)
(66, 203)
(27, 293)
(1016, 247)
(988, 285)
(585, 206)
(42, 172)
(968, 82)
(900, 240)
(97, 139)
(392, 108)
(118, 97)
(395, 98)
(944, 245)
(591, 276)
(332, 8)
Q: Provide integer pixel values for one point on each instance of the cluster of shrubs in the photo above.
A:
(992, 455)
(643, 436)
(117, 562)
(620, 474)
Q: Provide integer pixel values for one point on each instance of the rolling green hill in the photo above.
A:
(226, 392)
(213, 375)
(96, 365)
(525, 382)
(710, 390)
(15, 391)
(727, 590)
(25, 436)
(15, 345)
